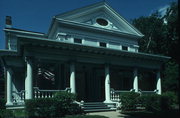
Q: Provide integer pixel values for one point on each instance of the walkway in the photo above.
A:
(110, 114)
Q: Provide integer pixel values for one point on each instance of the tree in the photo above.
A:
(161, 37)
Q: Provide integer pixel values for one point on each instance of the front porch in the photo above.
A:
(102, 83)
(39, 69)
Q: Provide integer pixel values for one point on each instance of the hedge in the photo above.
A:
(129, 101)
(151, 102)
(61, 105)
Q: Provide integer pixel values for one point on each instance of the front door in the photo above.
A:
(90, 85)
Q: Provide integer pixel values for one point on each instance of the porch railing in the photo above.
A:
(18, 97)
(47, 93)
(115, 94)
(147, 92)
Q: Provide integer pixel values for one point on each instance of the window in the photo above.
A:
(102, 22)
(124, 48)
(102, 44)
(76, 40)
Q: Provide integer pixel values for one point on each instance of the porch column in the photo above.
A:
(9, 87)
(72, 78)
(107, 84)
(135, 82)
(158, 85)
(29, 80)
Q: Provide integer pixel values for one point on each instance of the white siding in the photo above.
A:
(114, 46)
(90, 42)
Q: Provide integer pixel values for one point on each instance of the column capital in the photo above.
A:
(9, 69)
(28, 59)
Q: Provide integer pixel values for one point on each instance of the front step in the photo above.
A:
(97, 106)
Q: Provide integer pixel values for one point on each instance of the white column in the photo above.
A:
(29, 80)
(107, 85)
(9, 87)
(72, 78)
(158, 85)
(135, 82)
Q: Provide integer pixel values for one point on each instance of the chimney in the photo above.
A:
(8, 22)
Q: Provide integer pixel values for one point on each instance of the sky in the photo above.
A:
(36, 15)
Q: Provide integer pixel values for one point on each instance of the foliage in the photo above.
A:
(172, 98)
(2, 104)
(151, 102)
(161, 37)
(4, 113)
(61, 105)
(129, 101)
(155, 103)
(170, 80)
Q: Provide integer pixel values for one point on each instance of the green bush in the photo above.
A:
(154, 102)
(4, 113)
(2, 104)
(61, 105)
(151, 102)
(40, 107)
(129, 101)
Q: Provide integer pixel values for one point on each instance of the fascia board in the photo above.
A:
(24, 32)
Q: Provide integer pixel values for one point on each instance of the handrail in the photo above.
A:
(18, 97)
(47, 93)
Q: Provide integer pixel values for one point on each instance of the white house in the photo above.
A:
(91, 51)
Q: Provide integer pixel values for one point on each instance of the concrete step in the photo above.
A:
(96, 106)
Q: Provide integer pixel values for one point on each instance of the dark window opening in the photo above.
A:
(124, 48)
(102, 21)
(102, 44)
(76, 40)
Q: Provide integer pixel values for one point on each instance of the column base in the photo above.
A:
(107, 101)
(9, 104)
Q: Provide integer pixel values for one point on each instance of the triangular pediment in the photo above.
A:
(100, 15)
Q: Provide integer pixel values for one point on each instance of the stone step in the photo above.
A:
(96, 106)
(98, 110)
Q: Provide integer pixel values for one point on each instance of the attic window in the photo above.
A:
(102, 22)
(102, 44)
(124, 48)
(77, 40)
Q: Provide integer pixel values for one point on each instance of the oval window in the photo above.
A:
(102, 21)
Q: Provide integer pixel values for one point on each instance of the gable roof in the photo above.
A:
(80, 13)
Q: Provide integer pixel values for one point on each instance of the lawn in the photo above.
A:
(147, 114)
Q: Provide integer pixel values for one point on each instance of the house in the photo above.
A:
(91, 51)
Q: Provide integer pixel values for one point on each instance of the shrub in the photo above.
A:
(168, 99)
(156, 102)
(4, 113)
(40, 107)
(129, 101)
(2, 104)
(61, 105)
(151, 102)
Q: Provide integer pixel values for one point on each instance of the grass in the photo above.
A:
(147, 114)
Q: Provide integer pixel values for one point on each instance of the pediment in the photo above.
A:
(100, 15)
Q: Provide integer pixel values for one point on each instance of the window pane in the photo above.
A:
(76, 40)
(102, 44)
(124, 48)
